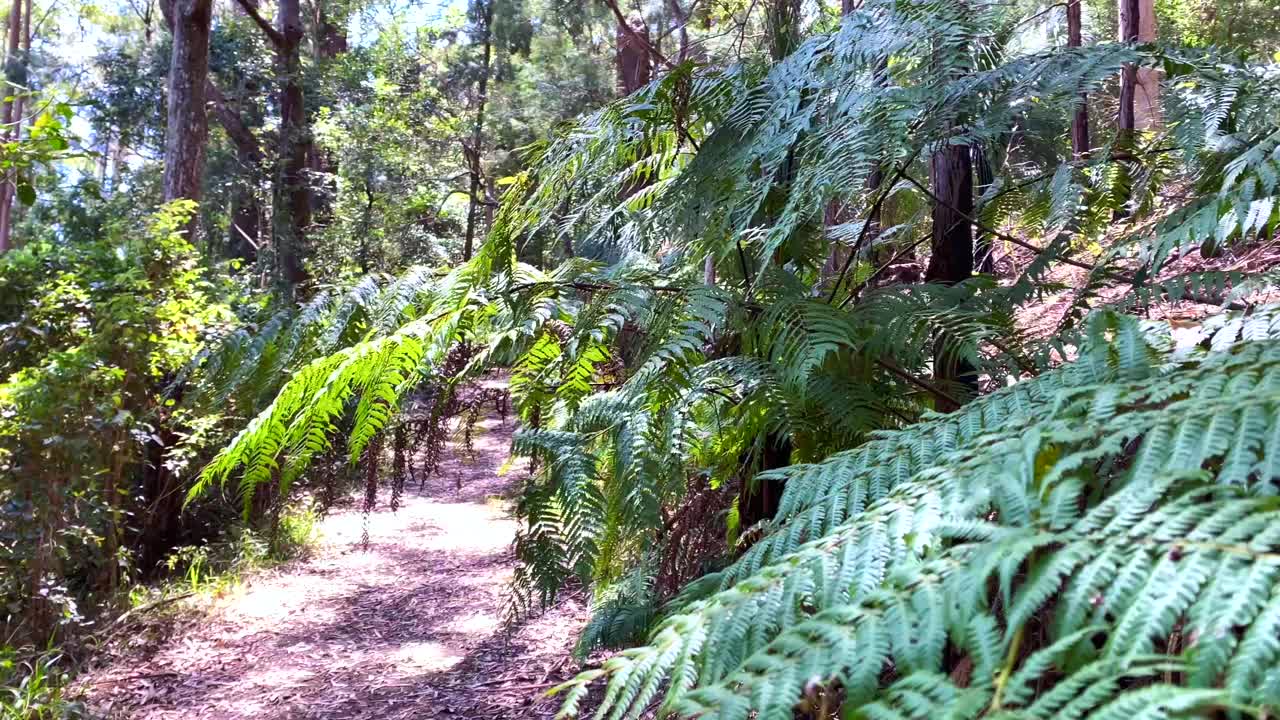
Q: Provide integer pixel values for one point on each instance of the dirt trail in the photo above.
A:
(409, 628)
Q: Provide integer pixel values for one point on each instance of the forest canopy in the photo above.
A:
(894, 358)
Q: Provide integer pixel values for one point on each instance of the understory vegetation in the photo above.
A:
(911, 358)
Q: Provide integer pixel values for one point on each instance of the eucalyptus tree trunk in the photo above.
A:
(634, 66)
(295, 143)
(1130, 11)
(1080, 118)
(474, 149)
(951, 259)
(292, 196)
(1147, 80)
(12, 115)
(186, 132)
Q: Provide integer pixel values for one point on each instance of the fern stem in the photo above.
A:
(866, 222)
(1010, 661)
(922, 384)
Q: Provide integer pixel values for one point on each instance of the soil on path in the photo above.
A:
(409, 627)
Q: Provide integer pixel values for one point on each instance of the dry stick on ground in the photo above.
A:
(142, 609)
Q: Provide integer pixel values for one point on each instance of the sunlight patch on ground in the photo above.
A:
(426, 657)
(478, 624)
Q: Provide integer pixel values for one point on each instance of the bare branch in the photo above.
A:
(274, 35)
(626, 26)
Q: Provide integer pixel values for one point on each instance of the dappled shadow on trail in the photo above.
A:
(410, 626)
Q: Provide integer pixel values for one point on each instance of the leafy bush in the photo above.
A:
(1096, 541)
(96, 331)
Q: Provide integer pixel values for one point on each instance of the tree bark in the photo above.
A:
(295, 141)
(1080, 118)
(951, 260)
(1129, 20)
(783, 22)
(292, 196)
(475, 152)
(11, 116)
(951, 175)
(246, 212)
(1147, 80)
(186, 132)
(634, 65)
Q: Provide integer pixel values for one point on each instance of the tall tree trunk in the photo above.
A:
(1130, 11)
(783, 22)
(634, 66)
(295, 141)
(1080, 118)
(1147, 79)
(11, 115)
(187, 128)
(951, 260)
(476, 150)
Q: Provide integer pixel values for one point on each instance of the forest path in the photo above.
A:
(409, 627)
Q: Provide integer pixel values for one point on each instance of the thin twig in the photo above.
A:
(866, 223)
(918, 382)
(1006, 236)
(274, 35)
(853, 294)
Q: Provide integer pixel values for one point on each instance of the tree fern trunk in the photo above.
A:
(951, 175)
(758, 500)
(951, 259)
